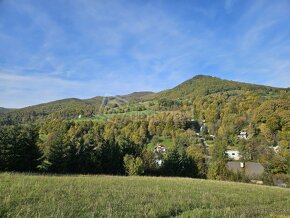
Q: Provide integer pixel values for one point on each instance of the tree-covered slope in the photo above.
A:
(198, 87)
(5, 110)
(68, 108)
(122, 135)
(138, 96)
(204, 85)
(56, 109)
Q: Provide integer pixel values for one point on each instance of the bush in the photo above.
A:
(237, 177)
(281, 179)
(267, 178)
(217, 170)
(133, 166)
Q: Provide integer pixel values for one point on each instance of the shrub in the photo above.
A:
(267, 178)
(133, 166)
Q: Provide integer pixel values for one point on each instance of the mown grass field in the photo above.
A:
(163, 140)
(103, 116)
(113, 196)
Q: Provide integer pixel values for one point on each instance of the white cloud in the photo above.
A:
(19, 91)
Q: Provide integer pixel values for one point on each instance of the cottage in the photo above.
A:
(243, 135)
(159, 162)
(276, 148)
(251, 169)
(233, 154)
(160, 148)
(203, 129)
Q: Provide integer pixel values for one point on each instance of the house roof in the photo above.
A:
(251, 169)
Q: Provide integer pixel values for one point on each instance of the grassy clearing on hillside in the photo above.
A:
(103, 116)
(113, 196)
(163, 140)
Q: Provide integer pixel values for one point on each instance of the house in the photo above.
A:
(233, 154)
(159, 162)
(251, 169)
(275, 148)
(203, 129)
(160, 148)
(243, 135)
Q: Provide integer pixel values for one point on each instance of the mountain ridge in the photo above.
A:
(197, 86)
(200, 85)
(6, 110)
(155, 94)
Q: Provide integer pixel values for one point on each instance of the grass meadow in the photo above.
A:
(23, 195)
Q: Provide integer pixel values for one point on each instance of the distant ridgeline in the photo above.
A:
(94, 135)
(196, 93)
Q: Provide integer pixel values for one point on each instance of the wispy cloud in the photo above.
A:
(20, 90)
(83, 48)
(229, 4)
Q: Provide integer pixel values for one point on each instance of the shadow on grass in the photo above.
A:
(3, 212)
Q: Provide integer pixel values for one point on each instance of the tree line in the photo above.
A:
(113, 147)
(121, 146)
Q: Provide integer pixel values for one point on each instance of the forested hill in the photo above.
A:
(5, 110)
(201, 118)
(202, 85)
(189, 91)
(68, 108)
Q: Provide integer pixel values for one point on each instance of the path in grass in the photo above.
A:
(112, 196)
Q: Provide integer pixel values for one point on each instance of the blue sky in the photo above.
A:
(57, 49)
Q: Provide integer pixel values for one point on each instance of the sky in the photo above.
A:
(57, 49)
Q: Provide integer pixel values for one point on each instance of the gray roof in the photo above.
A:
(251, 169)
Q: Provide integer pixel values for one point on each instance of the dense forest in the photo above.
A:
(196, 121)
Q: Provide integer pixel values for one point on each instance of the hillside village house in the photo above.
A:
(243, 135)
(276, 148)
(159, 162)
(233, 154)
(159, 150)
